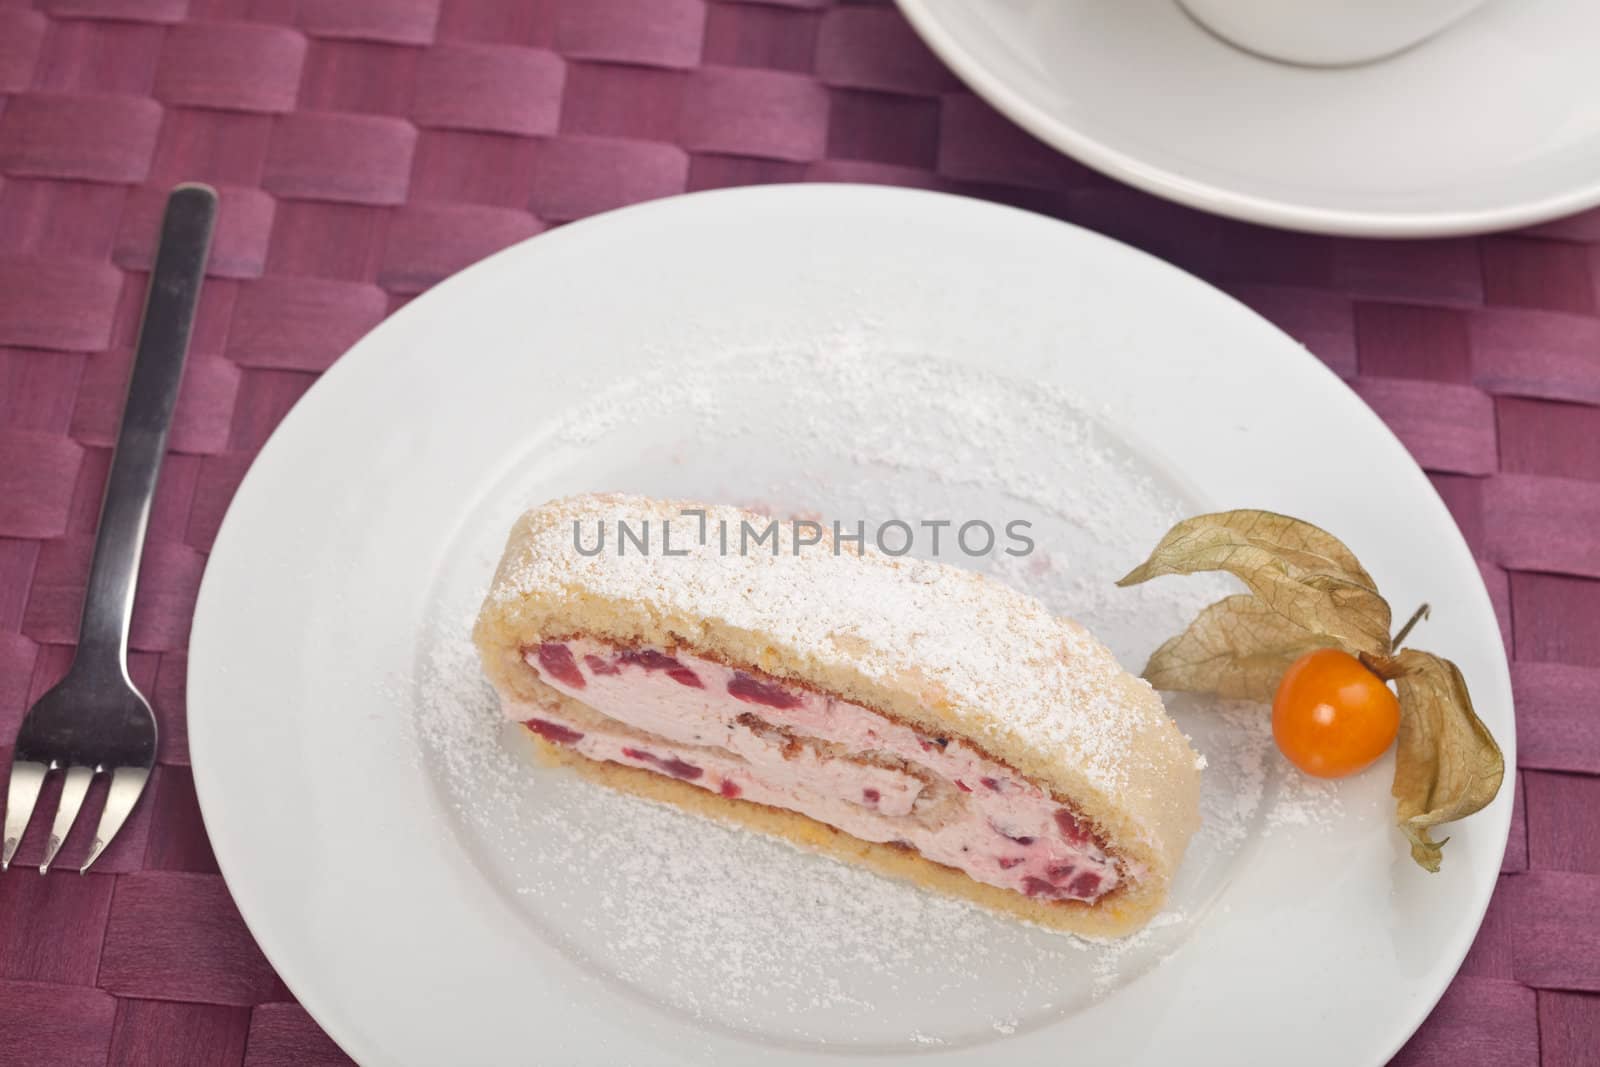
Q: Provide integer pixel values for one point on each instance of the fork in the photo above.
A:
(95, 721)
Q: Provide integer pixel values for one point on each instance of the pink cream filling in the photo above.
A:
(747, 735)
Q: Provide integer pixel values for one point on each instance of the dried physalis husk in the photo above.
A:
(1237, 648)
(1446, 763)
(1298, 570)
(1308, 591)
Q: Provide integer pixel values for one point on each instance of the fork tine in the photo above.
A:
(73, 788)
(126, 785)
(26, 778)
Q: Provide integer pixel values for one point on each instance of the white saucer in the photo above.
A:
(1489, 125)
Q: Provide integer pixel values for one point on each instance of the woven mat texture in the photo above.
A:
(364, 149)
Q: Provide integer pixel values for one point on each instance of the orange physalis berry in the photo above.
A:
(1332, 716)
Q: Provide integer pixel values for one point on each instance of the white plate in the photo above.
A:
(1489, 125)
(862, 352)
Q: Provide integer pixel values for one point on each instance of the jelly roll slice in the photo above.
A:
(917, 718)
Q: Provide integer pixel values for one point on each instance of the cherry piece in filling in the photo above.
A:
(1085, 885)
(600, 665)
(652, 660)
(753, 691)
(729, 789)
(554, 731)
(991, 783)
(556, 660)
(673, 766)
(1071, 828)
(1008, 862)
(870, 796)
(963, 786)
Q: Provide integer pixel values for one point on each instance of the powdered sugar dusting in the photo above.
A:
(745, 933)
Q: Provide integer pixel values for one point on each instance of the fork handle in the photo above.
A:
(142, 441)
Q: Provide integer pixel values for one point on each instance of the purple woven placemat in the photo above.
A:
(365, 149)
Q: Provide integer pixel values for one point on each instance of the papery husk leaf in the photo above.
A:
(1447, 765)
(1296, 569)
(1306, 545)
(1238, 648)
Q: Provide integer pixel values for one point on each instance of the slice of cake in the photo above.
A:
(918, 718)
